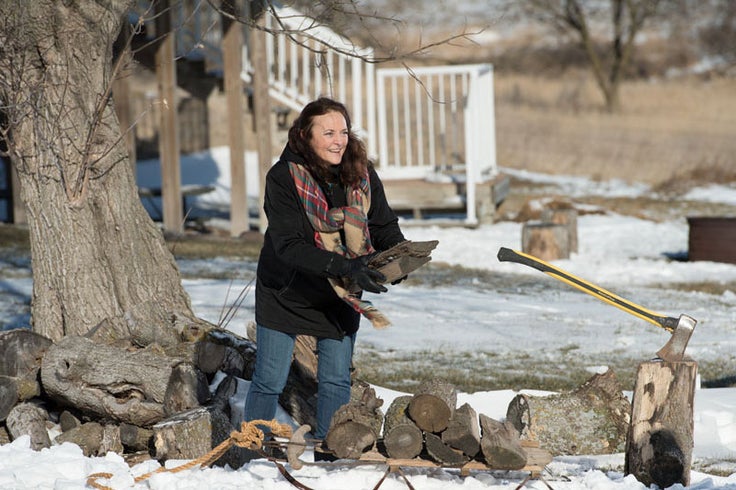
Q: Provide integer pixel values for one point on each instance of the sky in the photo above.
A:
(514, 309)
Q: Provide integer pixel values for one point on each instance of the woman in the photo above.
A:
(327, 213)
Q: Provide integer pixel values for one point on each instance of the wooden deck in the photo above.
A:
(422, 196)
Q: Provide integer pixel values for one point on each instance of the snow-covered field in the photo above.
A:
(531, 314)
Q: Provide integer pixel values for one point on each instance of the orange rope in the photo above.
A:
(249, 436)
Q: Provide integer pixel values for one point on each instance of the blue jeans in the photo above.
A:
(273, 361)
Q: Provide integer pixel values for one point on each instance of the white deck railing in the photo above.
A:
(431, 122)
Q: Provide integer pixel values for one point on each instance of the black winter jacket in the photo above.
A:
(293, 294)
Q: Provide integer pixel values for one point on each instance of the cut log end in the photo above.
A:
(350, 439)
(430, 413)
(403, 442)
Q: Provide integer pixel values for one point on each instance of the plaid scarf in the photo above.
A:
(327, 224)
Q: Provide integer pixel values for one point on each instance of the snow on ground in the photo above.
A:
(626, 255)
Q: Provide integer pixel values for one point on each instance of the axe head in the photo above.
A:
(674, 349)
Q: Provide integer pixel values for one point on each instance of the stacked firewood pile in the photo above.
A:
(157, 402)
(138, 402)
(428, 425)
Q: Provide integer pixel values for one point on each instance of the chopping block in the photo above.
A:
(659, 445)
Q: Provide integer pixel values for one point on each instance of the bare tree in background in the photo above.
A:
(627, 18)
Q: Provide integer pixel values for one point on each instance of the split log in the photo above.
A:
(114, 383)
(135, 439)
(402, 259)
(501, 445)
(660, 440)
(68, 421)
(93, 438)
(432, 405)
(442, 453)
(21, 351)
(187, 388)
(567, 218)
(402, 438)
(593, 419)
(355, 426)
(29, 419)
(463, 432)
(194, 433)
(545, 241)
(240, 353)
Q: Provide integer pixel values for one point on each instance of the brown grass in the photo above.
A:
(681, 130)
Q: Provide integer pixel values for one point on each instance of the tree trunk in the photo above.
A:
(659, 447)
(593, 419)
(96, 254)
(109, 382)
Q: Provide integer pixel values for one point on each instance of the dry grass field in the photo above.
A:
(669, 133)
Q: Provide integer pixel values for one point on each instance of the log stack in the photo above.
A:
(425, 425)
(120, 397)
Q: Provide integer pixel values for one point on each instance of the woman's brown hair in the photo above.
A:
(354, 161)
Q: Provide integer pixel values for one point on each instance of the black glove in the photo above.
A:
(368, 279)
(401, 279)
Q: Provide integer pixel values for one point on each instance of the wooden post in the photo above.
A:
(262, 114)
(660, 441)
(173, 212)
(232, 47)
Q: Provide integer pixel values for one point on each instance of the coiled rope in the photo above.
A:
(250, 436)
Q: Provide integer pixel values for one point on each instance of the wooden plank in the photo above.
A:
(537, 460)
(173, 213)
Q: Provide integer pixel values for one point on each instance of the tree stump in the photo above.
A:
(115, 383)
(401, 436)
(545, 241)
(501, 445)
(463, 432)
(194, 433)
(660, 441)
(593, 419)
(356, 425)
(432, 405)
(29, 419)
(569, 219)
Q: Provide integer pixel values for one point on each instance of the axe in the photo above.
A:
(681, 328)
